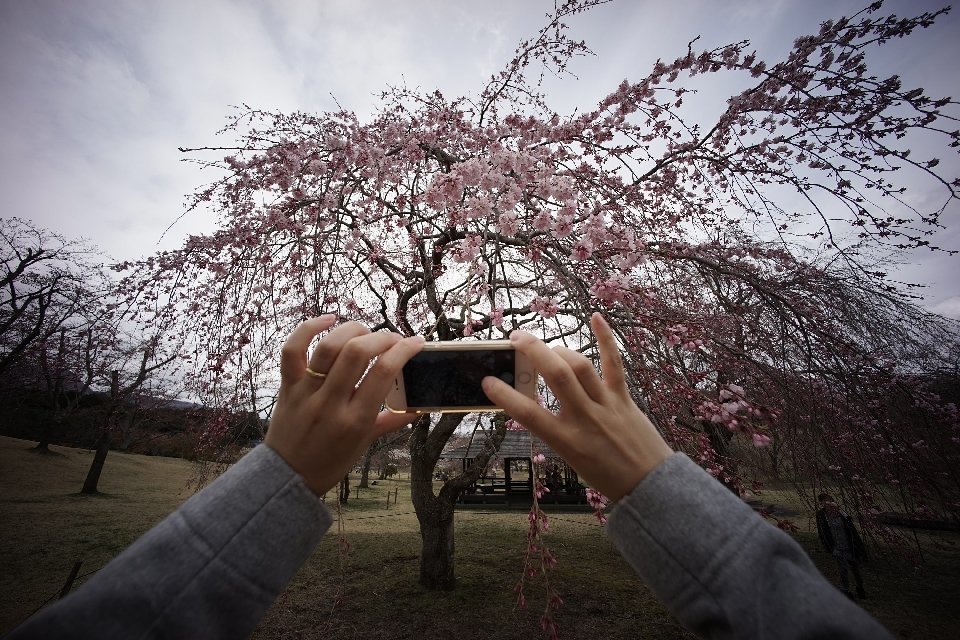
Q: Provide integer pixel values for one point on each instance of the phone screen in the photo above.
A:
(452, 378)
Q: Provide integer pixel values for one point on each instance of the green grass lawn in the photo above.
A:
(373, 592)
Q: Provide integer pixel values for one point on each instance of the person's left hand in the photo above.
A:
(322, 425)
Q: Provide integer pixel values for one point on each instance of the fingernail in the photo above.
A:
(328, 316)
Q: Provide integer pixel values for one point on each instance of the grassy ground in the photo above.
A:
(45, 526)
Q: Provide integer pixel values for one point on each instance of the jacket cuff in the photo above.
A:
(679, 527)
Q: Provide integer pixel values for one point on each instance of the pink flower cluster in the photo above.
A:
(479, 208)
(508, 223)
(599, 503)
(469, 326)
(681, 334)
(538, 559)
(562, 225)
(732, 391)
(546, 307)
(611, 290)
(468, 249)
(734, 412)
(761, 440)
(539, 488)
(582, 250)
(725, 412)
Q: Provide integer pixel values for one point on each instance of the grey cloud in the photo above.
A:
(96, 96)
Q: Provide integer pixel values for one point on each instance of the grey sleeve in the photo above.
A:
(209, 570)
(721, 569)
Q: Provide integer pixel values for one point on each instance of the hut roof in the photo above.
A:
(516, 444)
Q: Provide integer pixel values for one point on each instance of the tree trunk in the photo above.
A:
(43, 445)
(49, 430)
(365, 474)
(775, 452)
(96, 467)
(129, 431)
(436, 556)
(435, 514)
(103, 442)
(345, 489)
(720, 438)
(436, 532)
(435, 511)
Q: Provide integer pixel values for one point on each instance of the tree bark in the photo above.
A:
(437, 552)
(345, 489)
(367, 460)
(720, 441)
(435, 511)
(103, 442)
(775, 453)
(99, 457)
(46, 435)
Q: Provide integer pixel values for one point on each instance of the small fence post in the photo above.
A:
(69, 583)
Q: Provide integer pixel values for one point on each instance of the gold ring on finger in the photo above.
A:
(315, 374)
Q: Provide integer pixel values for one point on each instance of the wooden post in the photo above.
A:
(388, 499)
(395, 489)
(70, 578)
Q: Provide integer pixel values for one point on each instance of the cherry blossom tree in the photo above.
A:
(738, 258)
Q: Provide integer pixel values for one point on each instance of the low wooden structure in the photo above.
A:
(514, 489)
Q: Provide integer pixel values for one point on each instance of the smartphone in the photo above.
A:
(445, 377)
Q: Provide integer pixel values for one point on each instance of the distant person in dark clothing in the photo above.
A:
(840, 538)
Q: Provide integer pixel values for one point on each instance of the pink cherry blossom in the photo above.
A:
(582, 250)
(761, 440)
(546, 307)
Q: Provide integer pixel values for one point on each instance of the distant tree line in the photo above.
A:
(144, 425)
(83, 365)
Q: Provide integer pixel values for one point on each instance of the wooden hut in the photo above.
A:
(509, 481)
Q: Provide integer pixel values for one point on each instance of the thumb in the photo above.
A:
(388, 421)
(521, 408)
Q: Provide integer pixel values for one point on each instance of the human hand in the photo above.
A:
(599, 430)
(321, 426)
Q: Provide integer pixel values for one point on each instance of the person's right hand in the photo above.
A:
(328, 408)
(599, 430)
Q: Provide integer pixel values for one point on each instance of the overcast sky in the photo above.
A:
(96, 96)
